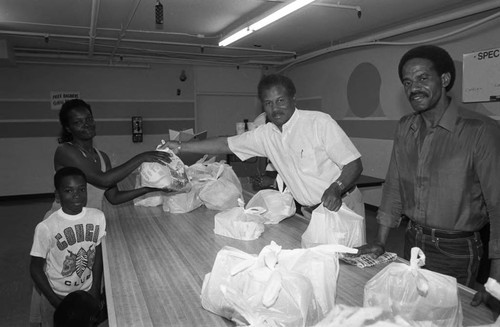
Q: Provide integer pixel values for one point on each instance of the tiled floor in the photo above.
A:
(19, 218)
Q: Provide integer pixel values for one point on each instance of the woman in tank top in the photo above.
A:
(78, 151)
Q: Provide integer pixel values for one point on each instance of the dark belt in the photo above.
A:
(440, 232)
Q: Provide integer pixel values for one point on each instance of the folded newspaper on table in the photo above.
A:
(186, 135)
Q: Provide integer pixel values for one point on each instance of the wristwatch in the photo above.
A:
(341, 185)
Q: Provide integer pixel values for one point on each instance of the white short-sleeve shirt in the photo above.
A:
(309, 154)
(68, 244)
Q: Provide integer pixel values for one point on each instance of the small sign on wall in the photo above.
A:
(481, 81)
(57, 98)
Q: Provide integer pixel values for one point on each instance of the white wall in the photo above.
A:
(26, 165)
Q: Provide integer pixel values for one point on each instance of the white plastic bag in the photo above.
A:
(421, 296)
(222, 191)
(183, 202)
(278, 204)
(343, 227)
(198, 174)
(240, 223)
(203, 170)
(152, 199)
(171, 176)
(343, 316)
(275, 288)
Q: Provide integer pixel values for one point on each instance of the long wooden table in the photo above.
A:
(155, 262)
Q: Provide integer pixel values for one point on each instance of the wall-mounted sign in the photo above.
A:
(59, 97)
(481, 81)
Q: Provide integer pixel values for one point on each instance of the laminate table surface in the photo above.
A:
(155, 262)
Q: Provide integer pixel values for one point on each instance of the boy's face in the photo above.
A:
(72, 194)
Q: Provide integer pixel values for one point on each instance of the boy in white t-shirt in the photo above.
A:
(66, 253)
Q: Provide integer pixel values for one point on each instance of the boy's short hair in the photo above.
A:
(65, 172)
(77, 309)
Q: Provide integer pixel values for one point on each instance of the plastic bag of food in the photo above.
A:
(203, 170)
(343, 227)
(152, 199)
(279, 204)
(275, 288)
(222, 191)
(424, 297)
(183, 202)
(240, 223)
(343, 315)
(172, 175)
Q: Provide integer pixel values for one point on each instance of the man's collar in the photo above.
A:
(289, 124)
(449, 118)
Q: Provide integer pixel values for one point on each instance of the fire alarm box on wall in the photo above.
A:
(136, 129)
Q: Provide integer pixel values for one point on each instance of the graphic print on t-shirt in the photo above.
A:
(78, 262)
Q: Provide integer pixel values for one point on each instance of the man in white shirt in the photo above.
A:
(309, 150)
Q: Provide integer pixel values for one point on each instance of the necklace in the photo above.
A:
(87, 154)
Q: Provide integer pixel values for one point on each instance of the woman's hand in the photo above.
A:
(160, 157)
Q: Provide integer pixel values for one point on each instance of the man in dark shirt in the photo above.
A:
(443, 175)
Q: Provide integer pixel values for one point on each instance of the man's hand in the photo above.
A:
(172, 145)
(332, 198)
(260, 182)
(374, 250)
(482, 296)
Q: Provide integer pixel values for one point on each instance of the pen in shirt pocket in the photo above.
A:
(301, 153)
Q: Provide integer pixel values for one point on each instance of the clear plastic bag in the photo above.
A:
(343, 227)
(279, 204)
(421, 296)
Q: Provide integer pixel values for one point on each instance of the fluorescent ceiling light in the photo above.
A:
(280, 13)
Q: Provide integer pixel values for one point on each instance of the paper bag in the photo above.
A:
(278, 204)
(418, 295)
(343, 227)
